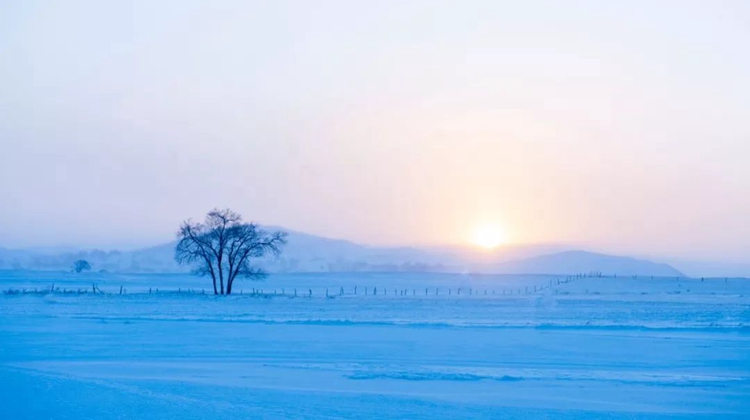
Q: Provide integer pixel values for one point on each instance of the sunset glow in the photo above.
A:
(490, 235)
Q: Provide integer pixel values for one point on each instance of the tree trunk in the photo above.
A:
(230, 282)
(231, 275)
(221, 279)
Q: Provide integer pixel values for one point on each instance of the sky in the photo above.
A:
(618, 126)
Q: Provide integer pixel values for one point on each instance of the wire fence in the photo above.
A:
(487, 290)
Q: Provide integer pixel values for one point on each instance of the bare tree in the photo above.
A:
(81, 265)
(223, 247)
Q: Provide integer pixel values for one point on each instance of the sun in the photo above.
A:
(490, 235)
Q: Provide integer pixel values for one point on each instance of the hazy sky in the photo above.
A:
(622, 126)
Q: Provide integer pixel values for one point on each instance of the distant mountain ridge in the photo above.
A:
(572, 262)
(310, 253)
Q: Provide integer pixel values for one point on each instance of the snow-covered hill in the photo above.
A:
(310, 253)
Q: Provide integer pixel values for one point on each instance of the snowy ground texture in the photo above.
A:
(585, 348)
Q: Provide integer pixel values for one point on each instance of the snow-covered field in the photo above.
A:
(502, 347)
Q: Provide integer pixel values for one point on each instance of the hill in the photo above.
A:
(310, 253)
(572, 262)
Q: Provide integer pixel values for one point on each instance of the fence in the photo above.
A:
(490, 289)
(329, 292)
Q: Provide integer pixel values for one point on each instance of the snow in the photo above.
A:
(586, 348)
